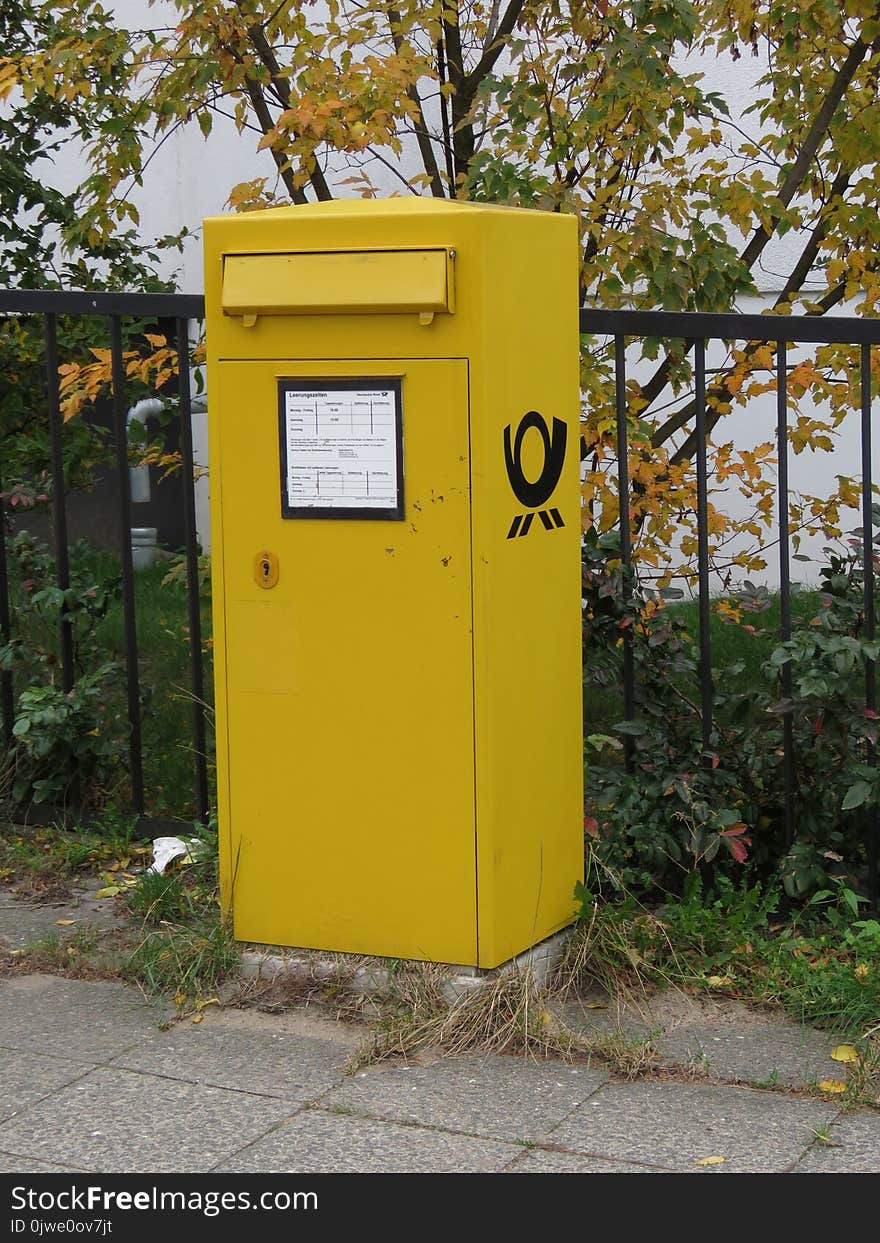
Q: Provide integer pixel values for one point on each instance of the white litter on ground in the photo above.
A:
(167, 849)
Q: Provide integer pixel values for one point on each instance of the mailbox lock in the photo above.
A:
(266, 569)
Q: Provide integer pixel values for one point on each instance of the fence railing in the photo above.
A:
(176, 311)
(779, 331)
(697, 329)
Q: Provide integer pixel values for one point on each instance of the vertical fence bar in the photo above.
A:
(192, 574)
(6, 696)
(868, 587)
(120, 431)
(784, 577)
(625, 534)
(59, 509)
(703, 542)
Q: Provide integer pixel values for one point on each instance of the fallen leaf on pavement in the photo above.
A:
(710, 1161)
(845, 1053)
(832, 1085)
(65, 923)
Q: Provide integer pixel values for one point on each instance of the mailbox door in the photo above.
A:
(348, 763)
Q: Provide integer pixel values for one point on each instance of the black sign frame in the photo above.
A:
(286, 384)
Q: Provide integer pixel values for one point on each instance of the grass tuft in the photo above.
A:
(192, 962)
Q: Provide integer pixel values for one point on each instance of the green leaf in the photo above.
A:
(851, 900)
(856, 795)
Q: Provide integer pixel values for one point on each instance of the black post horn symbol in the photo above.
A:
(535, 494)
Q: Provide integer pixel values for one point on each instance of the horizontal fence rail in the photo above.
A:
(690, 325)
(181, 310)
(75, 302)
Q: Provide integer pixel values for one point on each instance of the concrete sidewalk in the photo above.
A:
(93, 1084)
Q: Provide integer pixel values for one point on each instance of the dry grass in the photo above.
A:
(602, 953)
(508, 1014)
(515, 1013)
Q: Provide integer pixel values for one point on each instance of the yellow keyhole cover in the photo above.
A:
(266, 569)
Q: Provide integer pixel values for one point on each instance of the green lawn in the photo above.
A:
(164, 671)
(163, 666)
(730, 644)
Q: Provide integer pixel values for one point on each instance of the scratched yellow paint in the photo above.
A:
(399, 716)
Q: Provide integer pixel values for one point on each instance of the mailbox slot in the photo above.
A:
(376, 282)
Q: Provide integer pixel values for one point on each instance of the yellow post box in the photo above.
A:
(396, 574)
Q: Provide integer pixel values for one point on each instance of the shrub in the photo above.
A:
(669, 805)
(68, 744)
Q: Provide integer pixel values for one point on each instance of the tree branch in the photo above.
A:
(423, 138)
(444, 116)
(495, 44)
(279, 82)
(462, 140)
(810, 146)
(790, 185)
(285, 172)
(720, 390)
(466, 85)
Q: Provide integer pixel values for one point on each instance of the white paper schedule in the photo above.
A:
(341, 447)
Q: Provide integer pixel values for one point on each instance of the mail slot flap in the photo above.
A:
(348, 282)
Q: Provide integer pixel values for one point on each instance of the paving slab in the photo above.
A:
(854, 1147)
(28, 1077)
(80, 1020)
(21, 924)
(318, 1142)
(781, 1052)
(114, 1121)
(261, 1058)
(541, 1162)
(11, 1164)
(509, 1098)
(677, 1124)
(596, 1018)
(725, 1039)
(24, 923)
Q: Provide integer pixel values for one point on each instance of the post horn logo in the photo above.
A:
(534, 495)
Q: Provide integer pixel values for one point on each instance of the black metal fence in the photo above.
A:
(176, 311)
(778, 331)
(696, 329)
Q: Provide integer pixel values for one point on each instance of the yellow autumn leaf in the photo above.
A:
(109, 891)
(718, 981)
(65, 923)
(845, 1053)
(832, 1085)
(197, 1018)
(710, 1161)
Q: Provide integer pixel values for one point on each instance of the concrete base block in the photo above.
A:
(367, 976)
